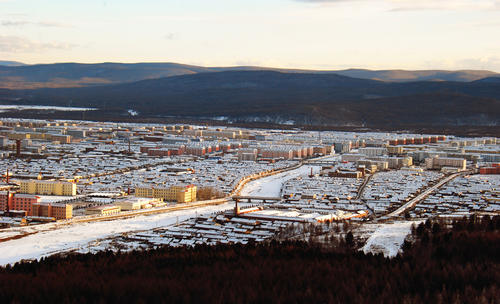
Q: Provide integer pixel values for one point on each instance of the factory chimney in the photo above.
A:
(236, 207)
(18, 147)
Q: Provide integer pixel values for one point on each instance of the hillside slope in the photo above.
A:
(268, 96)
(65, 75)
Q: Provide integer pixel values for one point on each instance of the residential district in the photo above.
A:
(269, 183)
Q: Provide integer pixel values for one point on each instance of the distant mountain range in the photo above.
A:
(425, 75)
(282, 97)
(15, 75)
(11, 63)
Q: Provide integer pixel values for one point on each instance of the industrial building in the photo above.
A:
(103, 210)
(136, 203)
(494, 169)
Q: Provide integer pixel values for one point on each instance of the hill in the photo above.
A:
(11, 63)
(66, 75)
(489, 80)
(424, 75)
(275, 97)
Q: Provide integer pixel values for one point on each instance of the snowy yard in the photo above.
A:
(388, 238)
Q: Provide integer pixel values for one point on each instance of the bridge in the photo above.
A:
(320, 162)
(249, 198)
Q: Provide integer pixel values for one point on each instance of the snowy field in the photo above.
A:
(388, 238)
(5, 108)
(271, 186)
(50, 241)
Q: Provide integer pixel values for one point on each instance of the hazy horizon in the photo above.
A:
(297, 34)
(256, 66)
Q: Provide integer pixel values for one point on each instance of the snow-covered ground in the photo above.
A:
(49, 241)
(388, 238)
(271, 186)
(4, 108)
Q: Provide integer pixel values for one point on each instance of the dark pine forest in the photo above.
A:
(442, 262)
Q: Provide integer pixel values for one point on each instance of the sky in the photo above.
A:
(309, 34)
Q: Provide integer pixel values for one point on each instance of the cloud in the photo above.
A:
(15, 44)
(14, 23)
(18, 23)
(485, 63)
(405, 5)
(491, 63)
(410, 5)
(328, 1)
(325, 1)
(170, 36)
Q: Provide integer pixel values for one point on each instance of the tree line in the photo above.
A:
(442, 262)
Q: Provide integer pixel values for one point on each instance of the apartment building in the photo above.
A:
(24, 202)
(48, 187)
(55, 210)
(440, 162)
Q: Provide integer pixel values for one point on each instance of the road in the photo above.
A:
(362, 187)
(126, 214)
(423, 195)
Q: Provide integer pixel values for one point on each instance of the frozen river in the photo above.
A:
(47, 239)
(271, 185)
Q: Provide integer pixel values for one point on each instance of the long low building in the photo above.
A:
(136, 203)
(440, 162)
(179, 193)
(103, 210)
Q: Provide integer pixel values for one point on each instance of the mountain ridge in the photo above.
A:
(11, 63)
(278, 97)
(64, 75)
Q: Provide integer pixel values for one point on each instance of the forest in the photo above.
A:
(443, 261)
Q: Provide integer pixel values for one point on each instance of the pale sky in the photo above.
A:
(312, 34)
